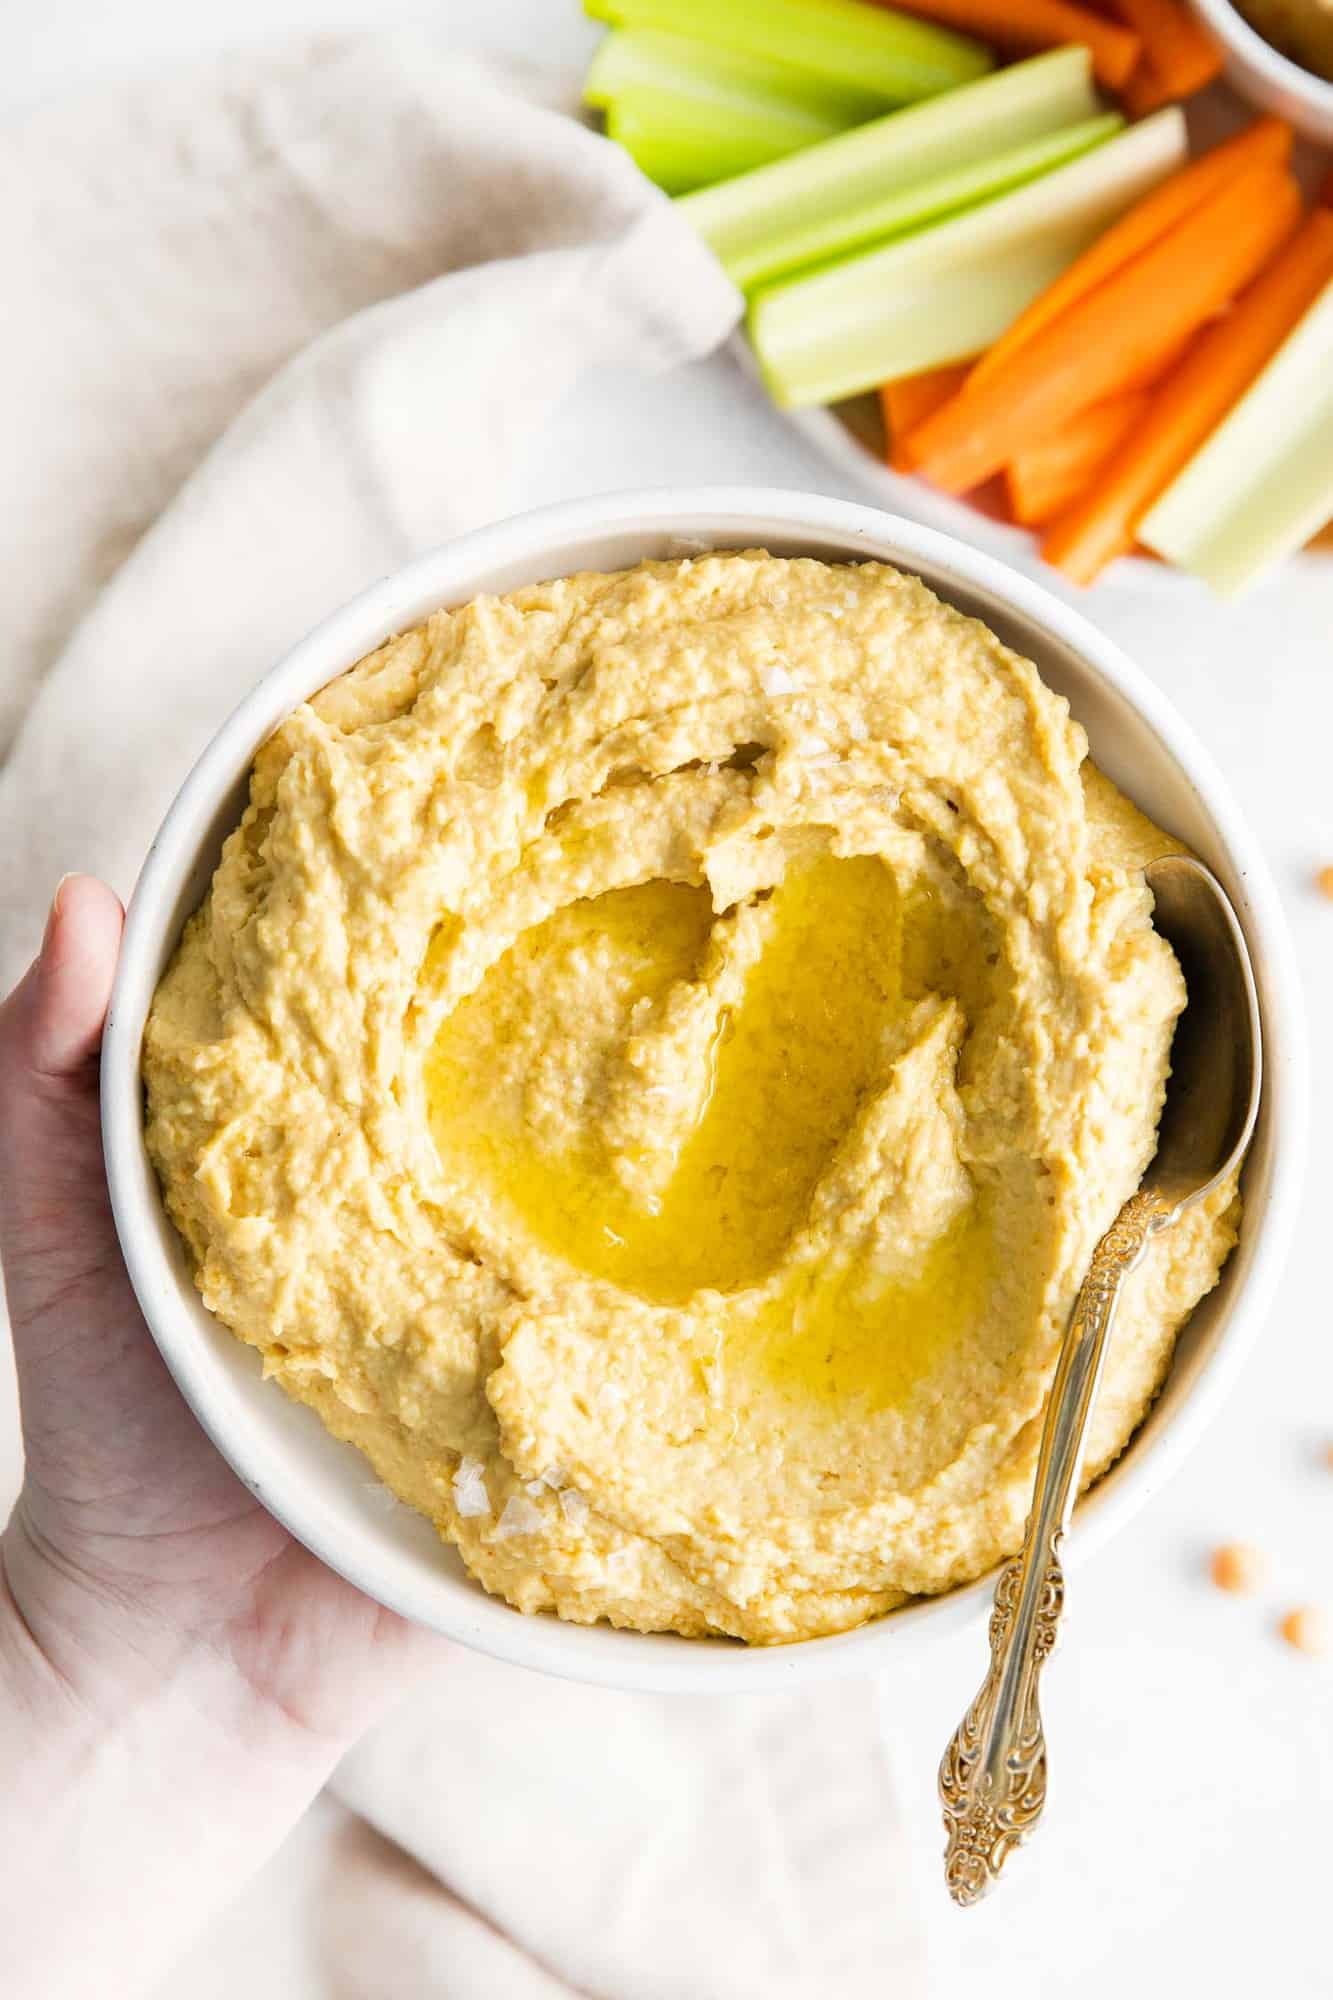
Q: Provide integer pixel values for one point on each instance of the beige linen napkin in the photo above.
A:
(268, 332)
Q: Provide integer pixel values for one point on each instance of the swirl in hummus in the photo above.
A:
(650, 1071)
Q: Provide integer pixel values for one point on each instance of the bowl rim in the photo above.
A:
(601, 1654)
(1255, 51)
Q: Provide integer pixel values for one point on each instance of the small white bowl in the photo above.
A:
(1265, 76)
(324, 1491)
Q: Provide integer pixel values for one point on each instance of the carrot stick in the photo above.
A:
(1145, 92)
(1038, 24)
(1114, 335)
(1267, 141)
(1190, 404)
(993, 499)
(1049, 475)
(912, 398)
(1178, 57)
(1326, 193)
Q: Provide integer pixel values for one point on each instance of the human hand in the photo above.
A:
(134, 1550)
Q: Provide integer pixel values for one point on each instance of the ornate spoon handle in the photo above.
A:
(993, 1774)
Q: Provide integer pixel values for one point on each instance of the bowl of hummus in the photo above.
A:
(1279, 54)
(623, 1048)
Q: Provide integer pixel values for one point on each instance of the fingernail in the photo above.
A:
(55, 904)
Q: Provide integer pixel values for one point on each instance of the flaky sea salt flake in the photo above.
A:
(470, 1495)
(519, 1517)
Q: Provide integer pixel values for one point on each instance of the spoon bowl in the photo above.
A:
(1212, 1096)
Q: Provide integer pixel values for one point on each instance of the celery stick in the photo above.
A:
(675, 168)
(1262, 484)
(682, 144)
(945, 315)
(949, 291)
(674, 114)
(763, 224)
(912, 208)
(630, 60)
(869, 48)
(929, 201)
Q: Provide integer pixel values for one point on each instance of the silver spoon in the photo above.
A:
(993, 1775)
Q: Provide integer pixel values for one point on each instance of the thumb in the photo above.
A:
(61, 1005)
(53, 1207)
(100, 1416)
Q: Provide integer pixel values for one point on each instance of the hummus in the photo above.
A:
(1301, 29)
(650, 1071)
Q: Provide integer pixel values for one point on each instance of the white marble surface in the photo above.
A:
(1187, 1842)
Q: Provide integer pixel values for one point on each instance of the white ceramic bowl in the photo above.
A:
(322, 1490)
(1268, 78)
